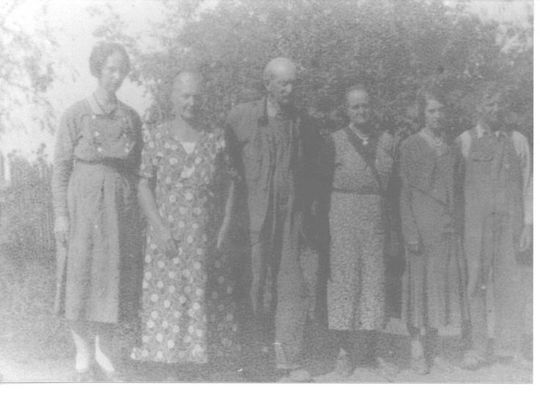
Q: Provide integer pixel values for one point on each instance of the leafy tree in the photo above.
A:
(26, 70)
(396, 47)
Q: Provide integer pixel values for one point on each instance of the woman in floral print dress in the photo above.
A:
(361, 164)
(187, 313)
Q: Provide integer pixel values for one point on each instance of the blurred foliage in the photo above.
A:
(26, 240)
(26, 67)
(26, 216)
(395, 47)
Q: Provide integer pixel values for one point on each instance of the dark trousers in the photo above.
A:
(281, 290)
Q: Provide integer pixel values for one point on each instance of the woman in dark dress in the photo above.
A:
(96, 160)
(433, 279)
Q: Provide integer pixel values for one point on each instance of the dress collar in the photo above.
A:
(439, 145)
(362, 136)
(97, 109)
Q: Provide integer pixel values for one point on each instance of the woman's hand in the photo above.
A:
(414, 247)
(166, 241)
(222, 236)
(61, 229)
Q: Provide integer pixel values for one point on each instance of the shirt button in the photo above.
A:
(100, 150)
(96, 134)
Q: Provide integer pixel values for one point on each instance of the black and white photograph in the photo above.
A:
(266, 191)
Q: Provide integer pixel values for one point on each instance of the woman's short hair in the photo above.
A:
(101, 52)
(422, 98)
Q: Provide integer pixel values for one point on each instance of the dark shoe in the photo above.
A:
(114, 376)
(263, 375)
(344, 365)
(472, 361)
(521, 362)
(107, 376)
(443, 365)
(387, 370)
(419, 365)
(83, 376)
(300, 375)
(282, 362)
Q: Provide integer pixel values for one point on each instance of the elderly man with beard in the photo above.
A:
(273, 150)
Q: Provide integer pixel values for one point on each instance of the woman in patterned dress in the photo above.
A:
(433, 279)
(362, 162)
(96, 161)
(187, 315)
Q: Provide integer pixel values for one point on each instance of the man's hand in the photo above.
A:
(525, 240)
(61, 229)
(414, 247)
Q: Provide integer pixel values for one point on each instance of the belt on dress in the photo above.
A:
(110, 162)
(358, 192)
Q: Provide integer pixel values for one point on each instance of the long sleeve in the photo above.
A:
(139, 143)
(408, 221)
(63, 163)
(385, 158)
(524, 153)
(233, 152)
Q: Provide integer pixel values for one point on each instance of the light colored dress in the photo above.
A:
(188, 309)
(96, 160)
(356, 287)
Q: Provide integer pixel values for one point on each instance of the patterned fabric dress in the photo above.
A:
(188, 312)
(356, 283)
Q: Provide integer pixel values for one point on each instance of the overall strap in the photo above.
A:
(364, 153)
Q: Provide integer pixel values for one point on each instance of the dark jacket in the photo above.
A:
(251, 162)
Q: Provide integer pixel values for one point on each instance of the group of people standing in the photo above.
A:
(294, 201)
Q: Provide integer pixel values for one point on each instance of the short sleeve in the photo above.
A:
(150, 153)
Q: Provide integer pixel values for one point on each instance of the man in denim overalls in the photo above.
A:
(496, 185)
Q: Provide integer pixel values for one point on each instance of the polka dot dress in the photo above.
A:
(188, 309)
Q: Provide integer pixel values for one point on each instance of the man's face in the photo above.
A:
(358, 108)
(281, 86)
(434, 114)
(490, 110)
(185, 98)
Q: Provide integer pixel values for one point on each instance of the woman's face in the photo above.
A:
(358, 108)
(434, 114)
(185, 97)
(113, 73)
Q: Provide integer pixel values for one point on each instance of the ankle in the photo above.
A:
(417, 348)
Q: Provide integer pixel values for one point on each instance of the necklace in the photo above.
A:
(363, 137)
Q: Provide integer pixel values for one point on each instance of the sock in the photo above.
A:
(102, 359)
(82, 357)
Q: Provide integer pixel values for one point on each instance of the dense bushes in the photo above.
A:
(396, 47)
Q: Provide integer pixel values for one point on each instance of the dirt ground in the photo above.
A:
(36, 352)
